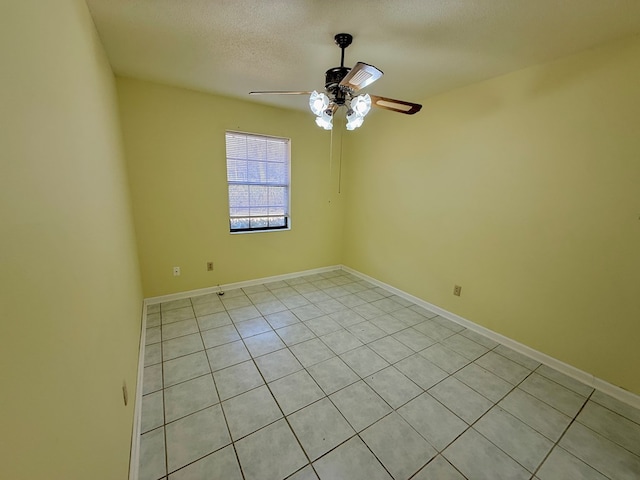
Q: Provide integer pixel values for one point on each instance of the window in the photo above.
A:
(258, 179)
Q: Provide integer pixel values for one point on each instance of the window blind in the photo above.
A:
(258, 180)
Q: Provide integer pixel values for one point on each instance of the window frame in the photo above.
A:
(287, 214)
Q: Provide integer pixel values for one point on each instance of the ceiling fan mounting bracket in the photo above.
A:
(343, 40)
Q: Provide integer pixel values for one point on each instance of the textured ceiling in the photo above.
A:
(424, 47)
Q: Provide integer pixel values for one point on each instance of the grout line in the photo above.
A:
(432, 460)
(373, 453)
(496, 405)
(557, 442)
(224, 415)
(601, 434)
(278, 405)
(164, 419)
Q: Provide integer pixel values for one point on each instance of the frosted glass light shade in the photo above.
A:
(354, 120)
(361, 104)
(318, 102)
(325, 121)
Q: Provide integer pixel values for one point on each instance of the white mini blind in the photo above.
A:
(258, 179)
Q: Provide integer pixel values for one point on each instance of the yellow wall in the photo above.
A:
(525, 190)
(70, 295)
(175, 147)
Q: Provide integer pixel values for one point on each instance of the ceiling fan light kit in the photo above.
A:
(342, 84)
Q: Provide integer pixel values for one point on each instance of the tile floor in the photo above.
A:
(328, 376)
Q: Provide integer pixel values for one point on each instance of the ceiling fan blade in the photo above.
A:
(279, 92)
(360, 76)
(399, 106)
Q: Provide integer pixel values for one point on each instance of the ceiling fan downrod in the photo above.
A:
(334, 76)
(343, 40)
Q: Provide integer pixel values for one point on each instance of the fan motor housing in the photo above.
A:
(333, 77)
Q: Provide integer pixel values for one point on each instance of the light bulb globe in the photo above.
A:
(324, 121)
(318, 102)
(361, 104)
(354, 121)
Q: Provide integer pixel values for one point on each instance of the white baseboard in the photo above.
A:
(231, 286)
(134, 458)
(588, 379)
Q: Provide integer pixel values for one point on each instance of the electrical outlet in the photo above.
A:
(457, 289)
(209, 266)
(176, 271)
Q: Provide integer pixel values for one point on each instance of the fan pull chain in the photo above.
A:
(340, 167)
(330, 163)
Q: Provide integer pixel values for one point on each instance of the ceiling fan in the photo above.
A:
(342, 85)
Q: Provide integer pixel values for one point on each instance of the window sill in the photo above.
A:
(262, 231)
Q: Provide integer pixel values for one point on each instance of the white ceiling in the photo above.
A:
(424, 47)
